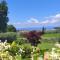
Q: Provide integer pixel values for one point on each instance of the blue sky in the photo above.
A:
(34, 13)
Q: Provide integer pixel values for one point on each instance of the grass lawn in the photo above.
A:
(57, 35)
(46, 45)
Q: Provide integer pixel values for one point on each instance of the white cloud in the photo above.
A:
(53, 19)
(45, 22)
(57, 16)
(33, 21)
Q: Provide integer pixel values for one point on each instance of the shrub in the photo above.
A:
(33, 37)
(14, 48)
(54, 54)
(5, 54)
(9, 36)
(27, 49)
(21, 41)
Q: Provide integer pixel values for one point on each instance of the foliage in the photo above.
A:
(11, 28)
(33, 37)
(27, 49)
(21, 41)
(9, 51)
(4, 51)
(9, 36)
(20, 38)
(3, 16)
(14, 48)
(54, 54)
(18, 57)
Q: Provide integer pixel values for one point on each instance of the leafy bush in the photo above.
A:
(9, 36)
(5, 54)
(33, 37)
(21, 41)
(27, 49)
(54, 54)
(14, 48)
(9, 51)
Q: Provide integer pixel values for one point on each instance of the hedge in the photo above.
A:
(9, 36)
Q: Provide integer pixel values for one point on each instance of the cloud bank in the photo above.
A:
(51, 20)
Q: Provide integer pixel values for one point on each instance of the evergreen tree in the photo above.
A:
(3, 16)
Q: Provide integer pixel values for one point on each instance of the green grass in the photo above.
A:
(57, 35)
(26, 59)
(46, 45)
(20, 58)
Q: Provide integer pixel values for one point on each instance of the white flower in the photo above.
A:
(59, 58)
(53, 49)
(20, 50)
(57, 45)
(55, 55)
(6, 47)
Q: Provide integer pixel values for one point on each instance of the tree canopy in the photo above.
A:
(11, 28)
(3, 16)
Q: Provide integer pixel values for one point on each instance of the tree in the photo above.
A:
(11, 28)
(34, 36)
(3, 16)
(43, 30)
